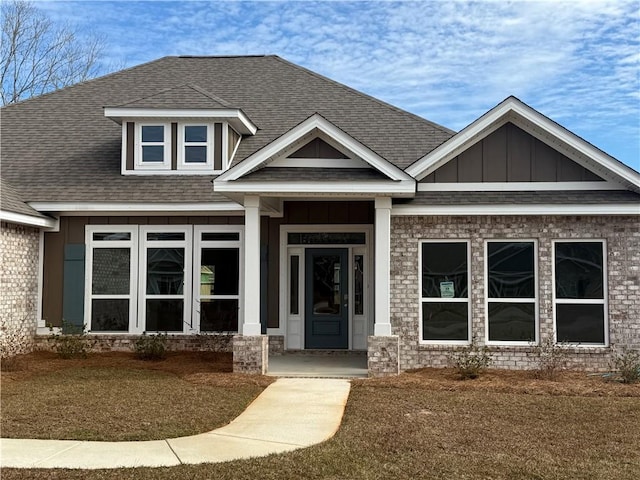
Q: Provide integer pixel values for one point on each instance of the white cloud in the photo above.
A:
(449, 61)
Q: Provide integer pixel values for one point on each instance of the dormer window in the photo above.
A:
(153, 146)
(196, 146)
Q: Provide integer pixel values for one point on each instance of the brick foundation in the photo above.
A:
(175, 343)
(622, 236)
(383, 356)
(18, 288)
(276, 345)
(250, 354)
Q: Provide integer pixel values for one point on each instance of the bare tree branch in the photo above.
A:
(37, 56)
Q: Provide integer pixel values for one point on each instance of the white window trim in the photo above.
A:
(182, 144)
(576, 301)
(133, 271)
(198, 245)
(186, 295)
(166, 163)
(534, 300)
(443, 300)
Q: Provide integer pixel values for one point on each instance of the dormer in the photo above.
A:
(182, 130)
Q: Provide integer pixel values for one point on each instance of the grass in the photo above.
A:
(426, 424)
(116, 397)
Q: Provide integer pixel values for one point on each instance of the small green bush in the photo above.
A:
(151, 347)
(72, 342)
(626, 366)
(470, 361)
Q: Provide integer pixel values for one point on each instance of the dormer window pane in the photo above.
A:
(153, 153)
(195, 154)
(195, 133)
(153, 133)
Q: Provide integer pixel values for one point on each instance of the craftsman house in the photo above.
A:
(249, 195)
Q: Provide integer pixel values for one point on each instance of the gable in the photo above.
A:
(510, 154)
(318, 148)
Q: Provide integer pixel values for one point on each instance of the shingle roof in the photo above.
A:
(314, 175)
(182, 96)
(10, 201)
(60, 147)
(576, 197)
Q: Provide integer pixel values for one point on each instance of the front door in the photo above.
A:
(326, 298)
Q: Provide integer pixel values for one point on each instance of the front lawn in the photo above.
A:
(117, 397)
(427, 424)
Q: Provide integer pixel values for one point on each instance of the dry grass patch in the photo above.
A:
(427, 424)
(116, 397)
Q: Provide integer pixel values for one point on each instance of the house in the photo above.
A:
(250, 195)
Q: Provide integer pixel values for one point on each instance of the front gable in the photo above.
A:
(513, 147)
(315, 157)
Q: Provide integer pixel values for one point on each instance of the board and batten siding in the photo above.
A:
(510, 155)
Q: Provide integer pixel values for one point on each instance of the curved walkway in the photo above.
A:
(289, 414)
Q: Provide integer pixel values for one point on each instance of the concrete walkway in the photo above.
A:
(289, 414)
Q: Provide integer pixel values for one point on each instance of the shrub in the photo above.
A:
(470, 361)
(72, 342)
(151, 347)
(626, 366)
(12, 344)
(551, 358)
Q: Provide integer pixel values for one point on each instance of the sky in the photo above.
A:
(577, 62)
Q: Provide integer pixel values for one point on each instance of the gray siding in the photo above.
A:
(510, 155)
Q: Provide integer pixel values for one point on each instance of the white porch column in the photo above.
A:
(251, 322)
(382, 326)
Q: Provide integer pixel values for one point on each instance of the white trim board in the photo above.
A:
(403, 188)
(128, 209)
(515, 186)
(515, 209)
(308, 128)
(536, 124)
(22, 219)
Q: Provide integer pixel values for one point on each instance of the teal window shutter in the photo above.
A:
(73, 285)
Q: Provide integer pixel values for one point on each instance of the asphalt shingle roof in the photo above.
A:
(182, 96)
(61, 147)
(10, 201)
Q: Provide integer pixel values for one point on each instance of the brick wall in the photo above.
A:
(622, 235)
(18, 288)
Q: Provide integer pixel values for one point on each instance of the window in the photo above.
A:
(196, 146)
(445, 291)
(579, 291)
(154, 149)
(110, 284)
(217, 270)
(511, 292)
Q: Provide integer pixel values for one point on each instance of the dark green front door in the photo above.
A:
(326, 303)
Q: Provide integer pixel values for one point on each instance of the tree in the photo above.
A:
(37, 56)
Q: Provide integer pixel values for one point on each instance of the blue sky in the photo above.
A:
(577, 62)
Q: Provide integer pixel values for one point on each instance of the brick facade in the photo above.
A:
(622, 236)
(250, 354)
(383, 356)
(19, 288)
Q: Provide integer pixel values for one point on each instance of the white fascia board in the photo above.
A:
(309, 188)
(515, 209)
(136, 208)
(241, 123)
(516, 186)
(316, 121)
(513, 110)
(21, 219)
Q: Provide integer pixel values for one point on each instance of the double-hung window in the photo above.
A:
(111, 281)
(579, 292)
(196, 146)
(445, 291)
(153, 146)
(511, 292)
